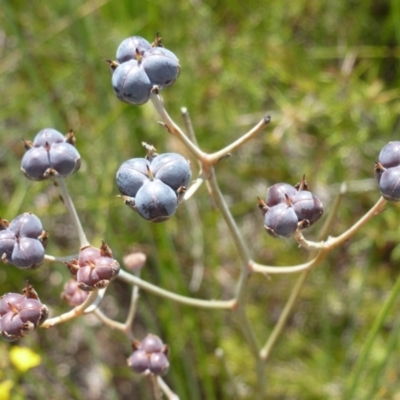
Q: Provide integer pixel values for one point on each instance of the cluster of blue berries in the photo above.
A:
(141, 69)
(387, 171)
(153, 185)
(288, 208)
(51, 154)
(149, 357)
(22, 241)
(20, 314)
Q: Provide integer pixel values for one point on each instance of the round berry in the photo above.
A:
(307, 206)
(277, 193)
(131, 175)
(139, 361)
(64, 158)
(27, 253)
(35, 163)
(7, 242)
(159, 363)
(389, 184)
(152, 344)
(172, 169)
(26, 225)
(161, 66)
(155, 201)
(390, 155)
(281, 220)
(131, 83)
(129, 48)
(48, 136)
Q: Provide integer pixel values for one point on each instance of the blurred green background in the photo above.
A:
(327, 73)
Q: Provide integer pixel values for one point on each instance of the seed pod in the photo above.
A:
(131, 176)
(172, 169)
(390, 155)
(96, 268)
(156, 201)
(139, 361)
(131, 83)
(281, 220)
(72, 294)
(389, 184)
(277, 193)
(131, 47)
(159, 364)
(307, 207)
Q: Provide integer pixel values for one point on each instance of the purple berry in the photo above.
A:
(49, 136)
(389, 184)
(152, 344)
(139, 361)
(27, 253)
(276, 193)
(159, 363)
(26, 225)
(281, 220)
(390, 155)
(307, 207)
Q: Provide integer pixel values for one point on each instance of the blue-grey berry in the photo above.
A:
(129, 48)
(156, 201)
(161, 66)
(131, 175)
(131, 83)
(389, 184)
(172, 169)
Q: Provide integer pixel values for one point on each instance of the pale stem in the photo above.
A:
(215, 304)
(265, 269)
(193, 188)
(155, 387)
(75, 312)
(110, 322)
(273, 337)
(174, 128)
(215, 157)
(50, 258)
(166, 390)
(333, 242)
(60, 183)
(188, 125)
(124, 327)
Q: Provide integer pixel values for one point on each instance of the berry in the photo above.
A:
(131, 83)
(27, 253)
(161, 66)
(50, 154)
(131, 175)
(151, 344)
(155, 201)
(139, 361)
(95, 268)
(389, 183)
(72, 294)
(390, 155)
(26, 225)
(277, 193)
(281, 220)
(48, 135)
(172, 169)
(307, 207)
(159, 364)
(129, 48)
(149, 356)
(21, 241)
(20, 314)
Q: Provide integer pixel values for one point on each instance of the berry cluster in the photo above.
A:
(140, 67)
(149, 357)
(50, 154)
(94, 268)
(20, 314)
(152, 185)
(22, 241)
(288, 208)
(387, 171)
